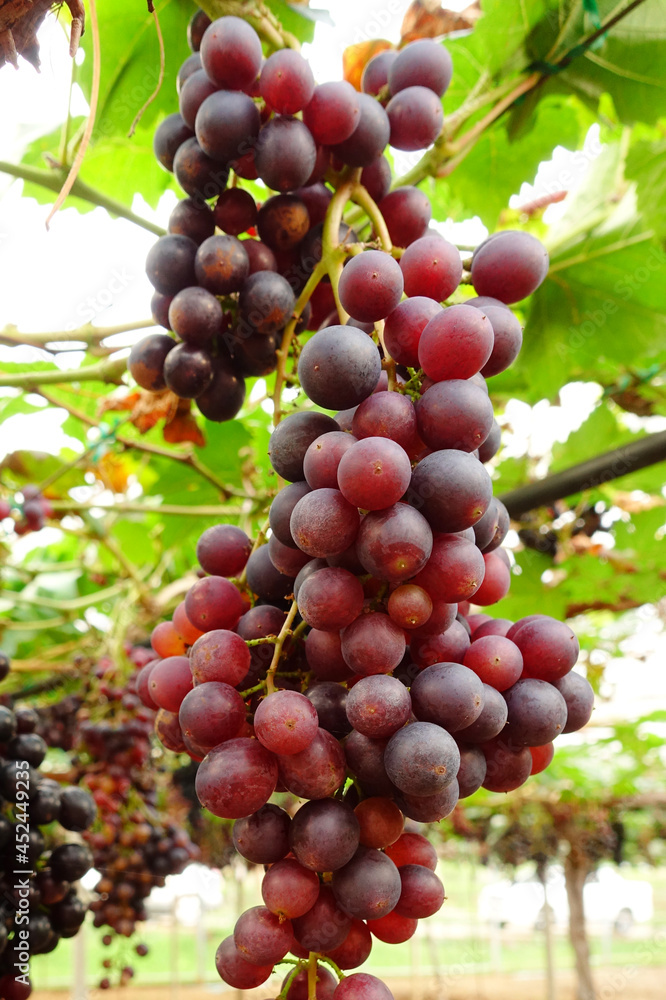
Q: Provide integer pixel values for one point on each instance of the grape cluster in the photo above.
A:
(29, 513)
(39, 865)
(228, 299)
(134, 845)
(345, 661)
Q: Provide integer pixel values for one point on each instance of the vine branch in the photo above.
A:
(52, 180)
(601, 469)
(109, 370)
(86, 334)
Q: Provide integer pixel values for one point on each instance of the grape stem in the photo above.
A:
(330, 239)
(360, 196)
(260, 539)
(133, 507)
(285, 632)
(287, 337)
(336, 968)
(312, 976)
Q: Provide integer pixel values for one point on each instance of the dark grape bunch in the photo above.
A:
(28, 513)
(40, 860)
(346, 661)
(133, 842)
(227, 274)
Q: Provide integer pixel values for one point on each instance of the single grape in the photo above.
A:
(196, 316)
(355, 949)
(225, 395)
(370, 137)
(361, 986)
(393, 929)
(196, 28)
(323, 523)
(170, 134)
(324, 835)
(324, 655)
(380, 820)
(291, 439)
(339, 367)
(377, 706)
(579, 696)
(146, 361)
(368, 886)
(235, 970)
(283, 221)
(416, 118)
(285, 722)
(423, 63)
(262, 937)
(509, 266)
(316, 772)
(330, 599)
(235, 212)
(472, 771)
(211, 713)
(200, 176)
(286, 82)
(404, 326)
(407, 213)
(236, 778)
(371, 286)
(169, 682)
(451, 489)
(496, 660)
(410, 606)
(192, 94)
(323, 927)
(323, 457)
(375, 72)
(221, 265)
(374, 473)
(448, 647)
(413, 849)
(231, 52)
(223, 550)
(429, 808)
(264, 579)
(507, 766)
(285, 153)
(421, 759)
(333, 112)
(507, 340)
(537, 712)
(266, 302)
(541, 757)
(456, 343)
(549, 648)
(491, 720)
(454, 571)
(192, 218)
(170, 264)
(373, 644)
(214, 603)
(447, 694)
(263, 837)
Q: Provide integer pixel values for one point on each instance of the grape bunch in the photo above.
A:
(133, 842)
(346, 660)
(39, 863)
(29, 513)
(226, 298)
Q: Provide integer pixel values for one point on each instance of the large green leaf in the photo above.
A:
(497, 167)
(646, 164)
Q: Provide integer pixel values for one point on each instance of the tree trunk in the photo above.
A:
(576, 870)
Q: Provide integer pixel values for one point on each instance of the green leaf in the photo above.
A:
(600, 432)
(496, 167)
(646, 164)
(291, 19)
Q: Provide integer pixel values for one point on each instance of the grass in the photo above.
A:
(451, 943)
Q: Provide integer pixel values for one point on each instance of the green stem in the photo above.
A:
(259, 15)
(360, 196)
(74, 604)
(312, 976)
(86, 334)
(42, 623)
(336, 968)
(53, 181)
(109, 370)
(133, 507)
(259, 541)
(285, 631)
(288, 335)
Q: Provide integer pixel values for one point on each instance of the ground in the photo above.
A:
(615, 983)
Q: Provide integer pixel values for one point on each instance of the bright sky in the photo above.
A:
(91, 267)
